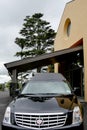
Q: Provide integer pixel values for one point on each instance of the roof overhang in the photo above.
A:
(42, 60)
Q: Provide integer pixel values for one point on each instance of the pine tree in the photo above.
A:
(36, 37)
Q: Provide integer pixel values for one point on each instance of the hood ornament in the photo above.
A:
(39, 121)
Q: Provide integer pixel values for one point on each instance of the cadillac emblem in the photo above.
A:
(39, 121)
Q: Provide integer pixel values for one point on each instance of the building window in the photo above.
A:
(67, 27)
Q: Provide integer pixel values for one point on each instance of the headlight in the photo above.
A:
(7, 115)
(77, 117)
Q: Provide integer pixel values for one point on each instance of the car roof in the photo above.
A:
(48, 77)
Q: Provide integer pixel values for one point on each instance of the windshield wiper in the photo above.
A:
(26, 94)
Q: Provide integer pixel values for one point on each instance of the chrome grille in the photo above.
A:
(40, 120)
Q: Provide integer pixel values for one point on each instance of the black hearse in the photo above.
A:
(46, 102)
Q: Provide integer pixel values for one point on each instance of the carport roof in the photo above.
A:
(42, 60)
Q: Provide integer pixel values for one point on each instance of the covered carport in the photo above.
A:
(43, 60)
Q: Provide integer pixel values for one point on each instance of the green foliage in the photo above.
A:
(37, 37)
(2, 86)
(51, 68)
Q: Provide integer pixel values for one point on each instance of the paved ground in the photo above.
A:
(5, 99)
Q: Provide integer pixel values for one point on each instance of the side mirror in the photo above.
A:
(77, 91)
(17, 92)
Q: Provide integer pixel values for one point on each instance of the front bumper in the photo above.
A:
(70, 127)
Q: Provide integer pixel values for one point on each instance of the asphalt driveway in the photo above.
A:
(4, 100)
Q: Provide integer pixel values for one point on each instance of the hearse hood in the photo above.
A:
(41, 104)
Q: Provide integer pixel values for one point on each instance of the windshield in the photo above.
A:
(46, 87)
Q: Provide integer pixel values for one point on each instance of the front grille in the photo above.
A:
(40, 120)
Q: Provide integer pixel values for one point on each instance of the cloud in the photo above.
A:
(8, 48)
(4, 78)
(3, 70)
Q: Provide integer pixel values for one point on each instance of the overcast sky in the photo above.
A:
(12, 14)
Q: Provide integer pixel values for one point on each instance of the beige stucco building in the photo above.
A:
(72, 32)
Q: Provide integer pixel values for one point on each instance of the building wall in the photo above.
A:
(73, 21)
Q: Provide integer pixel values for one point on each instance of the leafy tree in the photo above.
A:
(37, 37)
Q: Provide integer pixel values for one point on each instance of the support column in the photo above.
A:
(14, 83)
(14, 76)
(56, 67)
